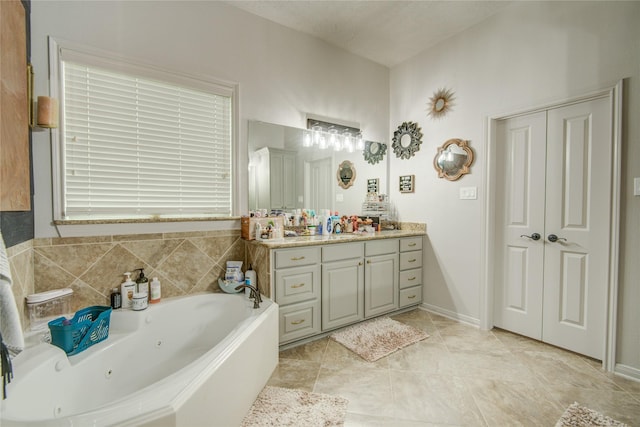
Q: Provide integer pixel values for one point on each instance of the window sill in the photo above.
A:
(142, 220)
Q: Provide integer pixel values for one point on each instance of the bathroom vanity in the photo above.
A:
(322, 283)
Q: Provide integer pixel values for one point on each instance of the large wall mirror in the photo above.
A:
(285, 174)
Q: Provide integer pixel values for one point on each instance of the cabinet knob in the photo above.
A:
(297, 322)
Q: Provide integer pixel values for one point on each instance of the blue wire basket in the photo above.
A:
(88, 326)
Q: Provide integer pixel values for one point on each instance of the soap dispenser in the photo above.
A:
(128, 288)
(142, 283)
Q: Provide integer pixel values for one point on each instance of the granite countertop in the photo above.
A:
(290, 242)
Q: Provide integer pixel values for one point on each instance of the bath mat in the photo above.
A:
(277, 406)
(377, 338)
(579, 416)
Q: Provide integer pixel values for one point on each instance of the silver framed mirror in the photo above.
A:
(346, 174)
(407, 140)
(454, 159)
(374, 152)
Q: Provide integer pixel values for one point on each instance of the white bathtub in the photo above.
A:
(192, 361)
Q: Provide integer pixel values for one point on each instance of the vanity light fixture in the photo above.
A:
(331, 135)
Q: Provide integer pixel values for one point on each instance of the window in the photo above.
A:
(141, 143)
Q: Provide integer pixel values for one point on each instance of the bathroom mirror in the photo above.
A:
(346, 174)
(406, 140)
(454, 158)
(283, 172)
(374, 152)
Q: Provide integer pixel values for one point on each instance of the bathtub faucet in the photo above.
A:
(255, 294)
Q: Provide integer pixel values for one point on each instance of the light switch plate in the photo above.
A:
(468, 193)
(339, 197)
(636, 186)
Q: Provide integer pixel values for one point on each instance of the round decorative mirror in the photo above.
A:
(407, 140)
(440, 103)
(346, 174)
(453, 159)
(374, 152)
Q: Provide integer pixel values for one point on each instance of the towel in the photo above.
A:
(10, 326)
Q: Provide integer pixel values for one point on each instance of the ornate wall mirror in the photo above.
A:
(453, 159)
(374, 152)
(346, 174)
(440, 103)
(407, 140)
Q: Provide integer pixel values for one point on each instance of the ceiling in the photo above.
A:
(386, 32)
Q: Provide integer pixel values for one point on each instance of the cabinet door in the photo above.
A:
(342, 290)
(381, 284)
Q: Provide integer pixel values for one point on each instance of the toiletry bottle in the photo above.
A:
(250, 278)
(328, 229)
(142, 283)
(128, 288)
(116, 298)
(156, 294)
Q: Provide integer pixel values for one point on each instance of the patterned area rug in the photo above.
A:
(276, 406)
(377, 338)
(579, 416)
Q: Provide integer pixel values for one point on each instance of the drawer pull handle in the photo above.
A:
(297, 322)
(411, 296)
(412, 260)
(297, 258)
(412, 244)
(411, 278)
(299, 285)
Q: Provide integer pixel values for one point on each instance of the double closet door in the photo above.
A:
(553, 219)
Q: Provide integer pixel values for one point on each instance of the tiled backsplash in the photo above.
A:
(184, 263)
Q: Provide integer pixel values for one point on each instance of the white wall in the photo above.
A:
(532, 54)
(282, 74)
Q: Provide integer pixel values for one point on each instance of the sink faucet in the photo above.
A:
(255, 294)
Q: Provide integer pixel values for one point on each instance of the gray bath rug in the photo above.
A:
(276, 406)
(377, 338)
(579, 416)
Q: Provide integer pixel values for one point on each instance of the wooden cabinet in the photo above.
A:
(342, 285)
(297, 291)
(381, 277)
(410, 271)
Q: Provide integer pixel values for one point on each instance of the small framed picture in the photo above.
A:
(407, 183)
(372, 185)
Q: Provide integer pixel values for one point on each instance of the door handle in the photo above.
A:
(534, 236)
(553, 238)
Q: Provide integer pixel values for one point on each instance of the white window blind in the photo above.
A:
(139, 147)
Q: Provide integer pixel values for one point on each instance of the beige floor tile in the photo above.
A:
(313, 351)
(425, 356)
(432, 398)
(360, 420)
(293, 373)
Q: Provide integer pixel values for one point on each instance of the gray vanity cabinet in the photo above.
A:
(410, 271)
(342, 284)
(297, 291)
(381, 277)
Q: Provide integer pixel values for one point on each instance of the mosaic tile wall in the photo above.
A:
(185, 263)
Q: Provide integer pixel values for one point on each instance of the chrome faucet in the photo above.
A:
(255, 294)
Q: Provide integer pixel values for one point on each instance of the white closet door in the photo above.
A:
(521, 153)
(555, 180)
(579, 214)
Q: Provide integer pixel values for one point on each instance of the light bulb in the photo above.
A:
(333, 139)
(317, 134)
(359, 142)
(306, 140)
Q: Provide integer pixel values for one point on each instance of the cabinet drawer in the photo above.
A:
(410, 278)
(297, 256)
(410, 260)
(297, 284)
(299, 321)
(342, 251)
(410, 296)
(381, 247)
(410, 244)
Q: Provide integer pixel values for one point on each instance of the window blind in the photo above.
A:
(139, 147)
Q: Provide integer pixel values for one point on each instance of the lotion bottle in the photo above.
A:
(155, 291)
(250, 279)
(128, 288)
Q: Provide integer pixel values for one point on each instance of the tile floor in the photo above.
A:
(459, 376)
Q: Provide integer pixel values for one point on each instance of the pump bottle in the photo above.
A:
(128, 288)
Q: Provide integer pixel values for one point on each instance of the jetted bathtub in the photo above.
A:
(198, 360)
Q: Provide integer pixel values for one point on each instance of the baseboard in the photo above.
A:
(628, 372)
(451, 314)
